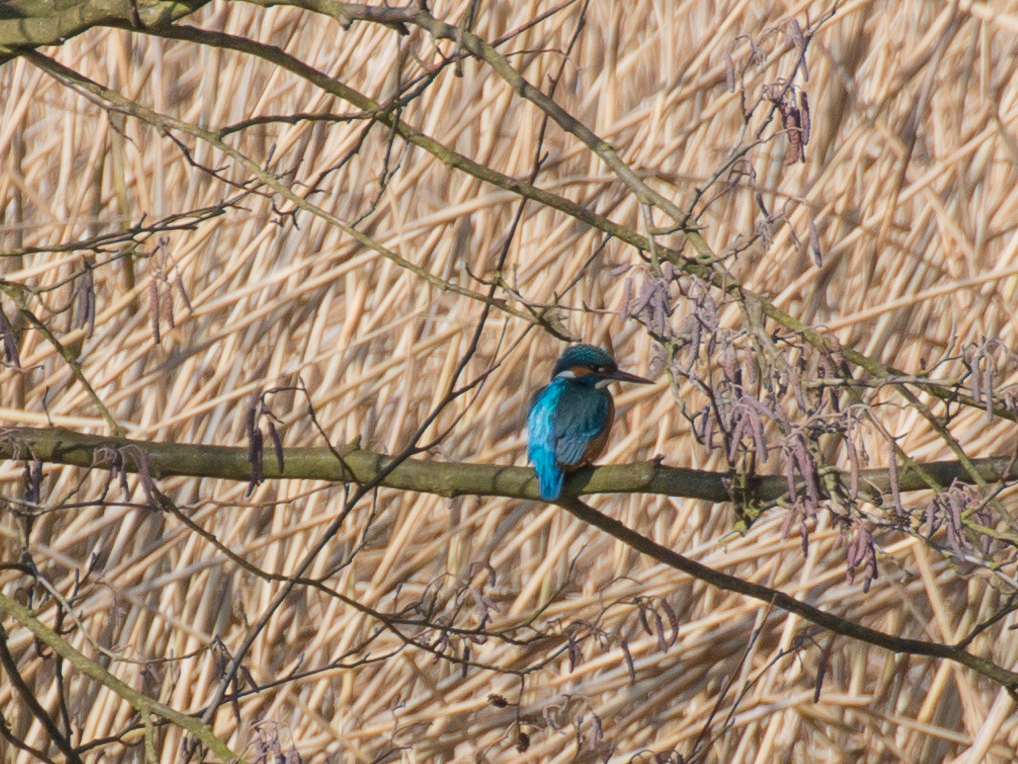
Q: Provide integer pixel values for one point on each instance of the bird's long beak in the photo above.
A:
(624, 376)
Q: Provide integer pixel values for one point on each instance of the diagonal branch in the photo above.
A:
(706, 266)
(615, 529)
(30, 23)
(167, 123)
(142, 703)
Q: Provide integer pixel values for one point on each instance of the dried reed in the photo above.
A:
(920, 257)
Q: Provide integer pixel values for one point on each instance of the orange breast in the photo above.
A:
(596, 447)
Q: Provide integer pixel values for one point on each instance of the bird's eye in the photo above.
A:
(602, 369)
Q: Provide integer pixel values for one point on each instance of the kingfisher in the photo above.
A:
(570, 418)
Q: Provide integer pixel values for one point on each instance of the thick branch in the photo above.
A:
(59, 446)
(33, 23)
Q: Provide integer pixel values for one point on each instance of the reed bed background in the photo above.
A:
(920, 259)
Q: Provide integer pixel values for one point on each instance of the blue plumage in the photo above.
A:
(566, 417)
(571, 417)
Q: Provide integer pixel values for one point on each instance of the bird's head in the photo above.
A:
(592, 364)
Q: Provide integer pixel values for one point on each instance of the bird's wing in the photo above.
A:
(540, 421)
(541, 441)
(578, 420)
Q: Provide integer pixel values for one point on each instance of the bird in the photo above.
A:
(571, 416)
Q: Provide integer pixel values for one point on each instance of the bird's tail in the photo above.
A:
(549, 476)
